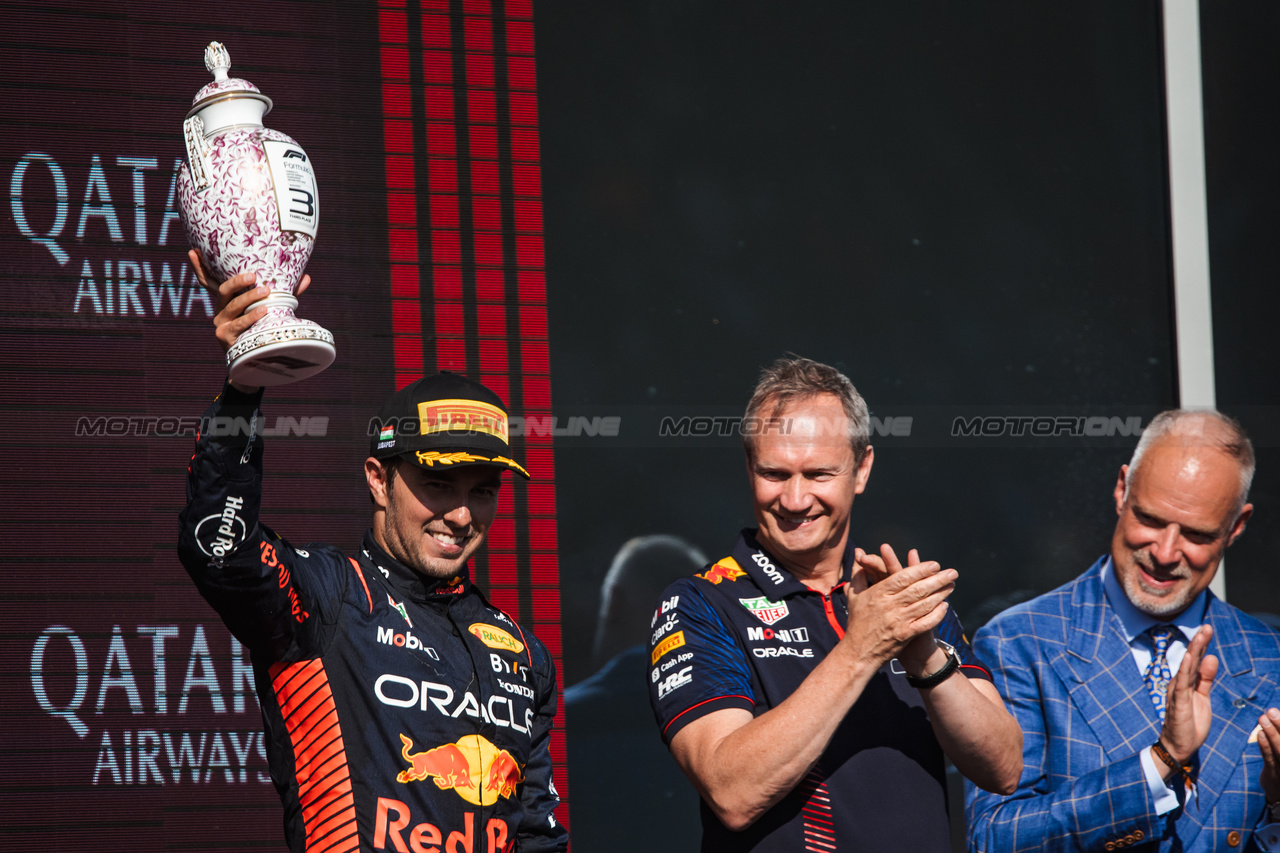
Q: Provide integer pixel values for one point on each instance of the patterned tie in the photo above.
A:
(1158, 675)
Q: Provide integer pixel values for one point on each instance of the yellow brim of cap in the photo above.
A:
(430, 458)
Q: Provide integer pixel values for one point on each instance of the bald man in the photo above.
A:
(1146, 702)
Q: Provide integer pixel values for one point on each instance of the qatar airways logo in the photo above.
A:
(119, 253)
(137, 714)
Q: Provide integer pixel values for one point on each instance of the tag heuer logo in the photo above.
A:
(765, 610)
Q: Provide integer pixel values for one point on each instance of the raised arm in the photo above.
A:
(249, 575)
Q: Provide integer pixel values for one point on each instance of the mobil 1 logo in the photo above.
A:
(295, 187)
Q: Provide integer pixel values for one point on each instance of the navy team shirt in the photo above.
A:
(745, 633)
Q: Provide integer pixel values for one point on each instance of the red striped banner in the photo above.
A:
(465, 246)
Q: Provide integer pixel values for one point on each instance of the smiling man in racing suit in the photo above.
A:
(403, 711)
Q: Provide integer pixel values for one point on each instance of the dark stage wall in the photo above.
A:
(964, 207)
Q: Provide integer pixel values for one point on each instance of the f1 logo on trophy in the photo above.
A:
(247, 195)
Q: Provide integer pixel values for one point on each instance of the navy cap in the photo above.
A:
(445, 421)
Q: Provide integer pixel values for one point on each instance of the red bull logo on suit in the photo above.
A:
(391, 827)
(725, 570)
(473, 768)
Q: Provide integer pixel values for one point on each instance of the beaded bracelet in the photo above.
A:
(1183, 771)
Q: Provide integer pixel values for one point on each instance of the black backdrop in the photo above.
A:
(1240, 69)
(963, 207)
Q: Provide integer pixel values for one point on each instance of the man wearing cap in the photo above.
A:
(1147, 703)
(403, 711)
(810, 690)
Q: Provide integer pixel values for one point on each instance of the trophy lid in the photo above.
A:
(225, 88)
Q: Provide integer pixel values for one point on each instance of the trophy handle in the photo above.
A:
(197, 152)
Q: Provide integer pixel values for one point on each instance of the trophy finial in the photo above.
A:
(217, 60)
(240, 95)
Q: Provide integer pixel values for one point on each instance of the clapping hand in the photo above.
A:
(894, 609)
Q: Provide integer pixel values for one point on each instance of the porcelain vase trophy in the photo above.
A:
(247, 195)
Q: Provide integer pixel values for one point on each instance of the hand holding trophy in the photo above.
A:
(247, 195)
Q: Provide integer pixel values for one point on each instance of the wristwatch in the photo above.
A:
(948, 668)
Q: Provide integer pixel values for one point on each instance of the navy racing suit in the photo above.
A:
(402, 713)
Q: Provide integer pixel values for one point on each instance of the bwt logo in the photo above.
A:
(1043, 426)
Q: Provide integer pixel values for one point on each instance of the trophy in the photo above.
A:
(247, 195)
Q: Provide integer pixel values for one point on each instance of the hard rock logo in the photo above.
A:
(474, 768)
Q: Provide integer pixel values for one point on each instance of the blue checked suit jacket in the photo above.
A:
(1063, 666)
